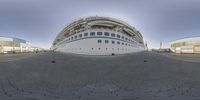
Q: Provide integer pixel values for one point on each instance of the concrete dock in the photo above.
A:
(139, 76)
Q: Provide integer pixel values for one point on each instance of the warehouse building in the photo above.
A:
(186, 45)
(14, 45)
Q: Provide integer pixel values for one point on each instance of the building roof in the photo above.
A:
(187, 39)
(9, 38)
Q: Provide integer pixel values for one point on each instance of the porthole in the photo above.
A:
(113, 42)
(99, 41)
(118, 36)
(106, 41)
(76, 37)
(122, 37)
(92, 33)
(106, 33)
(99, 33)
(113, 34)
(80, 35)
(85, 34)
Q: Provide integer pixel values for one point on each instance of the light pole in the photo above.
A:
(160, 45)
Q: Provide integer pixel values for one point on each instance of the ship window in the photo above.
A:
(106, 34)
(118, 42)
(106, 41)
(113, 34)
(126, 38)
(75, 37)
(99, 33)
(92, 33)
(80, 35)
(99, 48)
(122, 43)
(85, 34)
(99, 41)
(122, 37)
(118, 36)
(113, 42)
(72, 38)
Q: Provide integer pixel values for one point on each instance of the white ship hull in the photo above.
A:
(89, 45)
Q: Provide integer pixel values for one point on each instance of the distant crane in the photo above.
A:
(160, 45)
(146, 46)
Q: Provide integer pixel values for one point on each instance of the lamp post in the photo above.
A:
(13, 47)
(160, 45)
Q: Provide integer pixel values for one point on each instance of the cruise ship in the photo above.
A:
(99, 36)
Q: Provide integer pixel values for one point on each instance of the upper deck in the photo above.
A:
(97, 22)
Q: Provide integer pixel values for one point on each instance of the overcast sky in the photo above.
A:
(39, 21)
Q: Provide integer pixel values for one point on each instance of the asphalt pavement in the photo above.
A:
(137, 76)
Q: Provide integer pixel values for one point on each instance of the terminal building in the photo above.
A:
(15, 45)
(99, 36)
(186, 45)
